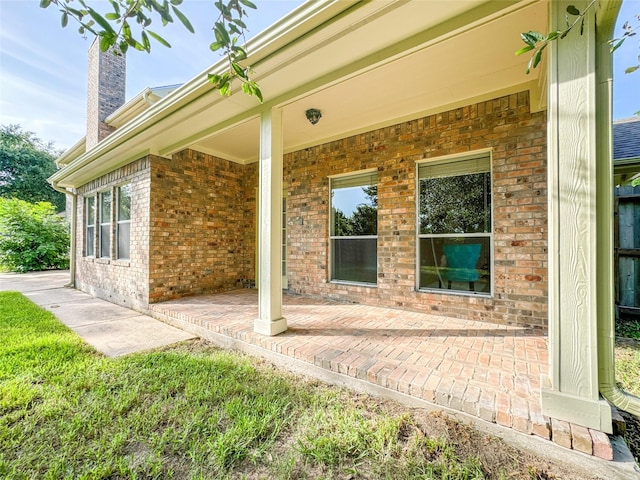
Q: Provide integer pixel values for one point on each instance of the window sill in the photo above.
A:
(89, 259)
(459, 293)
(122, 263)
(103, 261)
(355, 284)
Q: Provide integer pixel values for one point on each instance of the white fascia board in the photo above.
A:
(72, 153)
(302, 20)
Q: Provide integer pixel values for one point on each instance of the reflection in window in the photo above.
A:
(105, 224)
(354, 228)
(123, 221)
(90, 230)
(454, 216)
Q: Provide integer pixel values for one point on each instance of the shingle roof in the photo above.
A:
(626, 138)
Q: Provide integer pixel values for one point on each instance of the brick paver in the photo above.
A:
(462, 364)
(487, 370)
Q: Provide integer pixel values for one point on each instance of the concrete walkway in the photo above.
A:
(109, 328)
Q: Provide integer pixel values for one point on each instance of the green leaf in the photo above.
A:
(104, 43)
(215, 46)
(616, 43)
(101, 21)
(237, 68)
(185, 21)
(159, 38)
(525, 49)
(531, 37)
(631, 69)
(146, 44)
(553, 35)
(222, 35)
(537, 57)
(572, 10)
(45, 3)
(248, 4)
(112, 16)
(64, 21)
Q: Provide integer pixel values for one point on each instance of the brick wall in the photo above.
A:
(518, 142)
(105, 91)
(124, 282)
(202, 226)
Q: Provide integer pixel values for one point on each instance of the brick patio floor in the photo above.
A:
(486, 370)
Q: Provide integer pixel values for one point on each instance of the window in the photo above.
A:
(354, 228)
(90, 232)
(104, 241)
(454, 221)
(123, 221)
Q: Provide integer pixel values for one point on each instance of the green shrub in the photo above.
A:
(32, 236)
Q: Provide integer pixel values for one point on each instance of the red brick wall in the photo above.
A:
(518, 142)
(202, 227)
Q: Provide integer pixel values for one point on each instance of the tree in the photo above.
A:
(32, 236)
(25, 164)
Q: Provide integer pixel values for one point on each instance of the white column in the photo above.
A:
(270, 320)
(571, 391)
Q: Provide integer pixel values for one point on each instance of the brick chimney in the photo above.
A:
(105, 92)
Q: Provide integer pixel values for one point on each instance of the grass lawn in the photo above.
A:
(193, 411)
(628, 376)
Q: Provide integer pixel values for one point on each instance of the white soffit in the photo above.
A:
(475, 65)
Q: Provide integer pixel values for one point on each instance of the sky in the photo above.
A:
(43, 67)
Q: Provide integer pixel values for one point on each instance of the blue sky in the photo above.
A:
(43, 66)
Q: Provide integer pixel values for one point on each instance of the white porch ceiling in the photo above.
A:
(473, 64)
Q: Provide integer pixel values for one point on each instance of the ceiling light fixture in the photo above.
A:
(313, 115)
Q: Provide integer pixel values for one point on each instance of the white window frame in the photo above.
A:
(120, 222)
(461, 159)
(337, 178)
(90, 226)
(102, 223)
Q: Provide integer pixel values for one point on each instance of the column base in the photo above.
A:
(586, 412)
(265, 327)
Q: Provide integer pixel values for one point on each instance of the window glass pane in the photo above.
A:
(355, 211)
(105, 207)
(90, 239)
(105, 234)
(461, 263)
(91, 210)
(123, 236)
(355, 259)
(124, 202)
(456, 204)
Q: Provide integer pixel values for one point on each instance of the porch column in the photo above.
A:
(570, 392)
(270, 320)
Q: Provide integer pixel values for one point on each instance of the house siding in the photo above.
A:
(202, 225)
(124, 282)
(517, 139)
